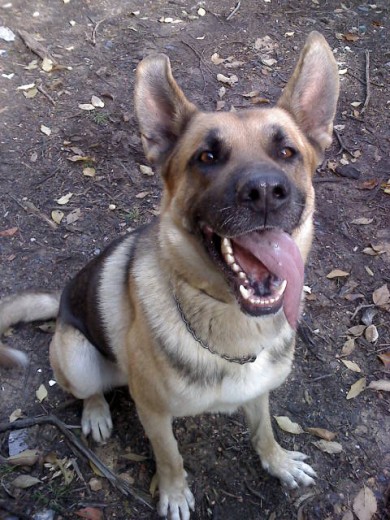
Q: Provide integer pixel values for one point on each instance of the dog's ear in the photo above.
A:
(311, 93)
(161, 107)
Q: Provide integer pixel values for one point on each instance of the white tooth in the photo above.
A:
(282, 288)
(244, 292)
(272, 300)
(229, 259)
(242, 276)
(226, 243)
(236, 268)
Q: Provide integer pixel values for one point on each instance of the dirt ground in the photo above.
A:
(95, 46)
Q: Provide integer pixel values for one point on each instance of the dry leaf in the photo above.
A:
(30, 94)
(90, 513)
(83, 158)
(385, 358)
(331, 447)
(29, 86)
(89, 172)
(364, 504)
(73, 216)
(45, 130)
(86, 106)
(47, 64)
(380, 384)
(348, 347)
(97, 102)
(357, 330)
(351, 365)
(57, 215)
(41, 393)
(322, 433)
(24, 458)
(357, 388)
(142, 194)
(64, 199)
(10, 232)
(371, 333)
(251, 94)
(381, 297)
(25, 481)
(287, 425)
(153, 485)
(15, 415)
(337, 273)
(216, 59)
(231, 80)
(134, 457)
(146, 170)
(363, 221)
(95, 484)
(351, 37)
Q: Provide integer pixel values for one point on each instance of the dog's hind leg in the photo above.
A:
(287, 465)
(81, 370)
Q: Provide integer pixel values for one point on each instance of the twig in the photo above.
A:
(368, 86)
(238, 5)
(94, 31)
(360, 307)
(29, 207)
(43, 91)
(319, 378)
(120, 484)
(343, 148)
(35, 46)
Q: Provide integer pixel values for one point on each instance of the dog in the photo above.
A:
(197, 311)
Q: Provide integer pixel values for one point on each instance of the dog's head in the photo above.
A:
(238, 185)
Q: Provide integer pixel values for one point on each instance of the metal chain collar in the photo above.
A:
(250, 358)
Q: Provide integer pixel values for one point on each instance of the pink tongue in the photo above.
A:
(281, 256)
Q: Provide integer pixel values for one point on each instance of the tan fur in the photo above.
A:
(173, 285)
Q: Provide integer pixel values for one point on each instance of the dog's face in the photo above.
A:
(239, 184)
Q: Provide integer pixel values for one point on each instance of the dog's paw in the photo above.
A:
(96, 418)
(175, 504)
(289, 467)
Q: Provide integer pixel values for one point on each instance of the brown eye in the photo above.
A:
(207, 157)
(286, 153)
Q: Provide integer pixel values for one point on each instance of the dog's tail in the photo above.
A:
(24, 307)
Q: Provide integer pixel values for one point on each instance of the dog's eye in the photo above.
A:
(287, 152)
(207, 157)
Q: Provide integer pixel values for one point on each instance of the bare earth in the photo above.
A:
(95, 46)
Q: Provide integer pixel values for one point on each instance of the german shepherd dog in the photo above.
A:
(197, 311)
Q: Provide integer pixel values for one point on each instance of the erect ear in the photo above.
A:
(311, 93)
(161, 107)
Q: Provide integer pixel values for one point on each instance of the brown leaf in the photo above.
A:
(25, 481)
(369, 185)
(10, 232)
(287, 425)
(357, 388)
(381, 296)
(364, 504)
(348, 347)
(357, 330)
(385, 358)
(322, 433)
(380, 384)
(24, 458)
(337, 273)
(351, 37)
(91, 513)
(351, 365)
(331, 447)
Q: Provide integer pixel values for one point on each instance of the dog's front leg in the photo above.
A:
(176, 499)
(288, 466)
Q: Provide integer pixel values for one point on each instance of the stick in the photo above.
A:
(118, 483)
(237, 7)
(368, 86)
(29, 207)
(343, 148)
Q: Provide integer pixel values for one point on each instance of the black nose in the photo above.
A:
(264, 192)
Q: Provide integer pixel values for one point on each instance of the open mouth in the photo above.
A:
(264, 268)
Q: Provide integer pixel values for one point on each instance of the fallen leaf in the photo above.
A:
(41, 393)
(82, 158)
(45, 130)
(322, 433)
(251, 94)
(30, 94)
(363, 221)
(351, 37)
(287, 425)
(73, 216)
(364, 504)
(216, 59)
(351, 365)
(10, 232)
(380, 384)
(142, 195)
(231, 80)
(29, 86)
(348, 347)
(90, 513)
(89, 172)
(385, 358)
(47, 64)
(381, 297)
(86, 106)
(371, 333)
(134, 457)
(24, 458)
(25, 481)
(331, 447)
(15, 415)
(269, 61)
(369, 184)
(357, 330)
(357, 388)
(97, 102)
(57, 215)
(146, 170)
(337, 273)
(153, 486)
(64, 199)
(95, 484)
(368, 270)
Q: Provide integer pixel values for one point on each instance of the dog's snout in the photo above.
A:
(264, 191)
